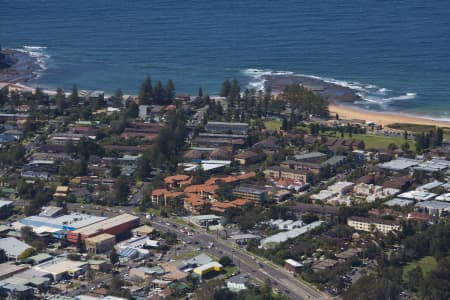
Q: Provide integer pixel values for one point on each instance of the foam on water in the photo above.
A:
(40, 54)
(369, 93)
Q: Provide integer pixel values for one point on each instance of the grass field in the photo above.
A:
(427, 264)
(419, 128)
(272, 125)
(380, 141)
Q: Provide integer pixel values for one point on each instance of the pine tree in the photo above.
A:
(60, 100)
(200, 92)
(74, 97)
(159, 94)
(225, 90)
(170, 91)
(145, 92)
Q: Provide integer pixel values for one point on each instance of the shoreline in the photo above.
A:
(383, 118)
(23, 66)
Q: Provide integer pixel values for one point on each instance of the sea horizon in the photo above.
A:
(399, 66)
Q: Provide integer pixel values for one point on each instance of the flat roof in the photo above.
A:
(309, 155)
(398, 202)
(106, 224)
(60, 266)
(400, 164)
(100, 238)
(73, 220)
(433, 204)
(417, 195)
(293, 263)
(10, 267)
(13, 246)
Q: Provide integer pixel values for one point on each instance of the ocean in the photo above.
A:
(395, 54)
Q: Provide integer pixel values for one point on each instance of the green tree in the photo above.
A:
(225, 261)
(145, 92)
(115, 169)
(74, 97)
(225, 89)
(170, 90)
(159, 93)
(60, 101)
(113, 256)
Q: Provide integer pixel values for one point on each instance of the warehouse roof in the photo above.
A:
(13, 247)
(105, 224)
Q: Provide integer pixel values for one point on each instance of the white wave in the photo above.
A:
(35, 47)
(369, 93)
(406, 96)
(39, 54)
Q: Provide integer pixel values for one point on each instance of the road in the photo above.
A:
(247, 263)
(281, 279)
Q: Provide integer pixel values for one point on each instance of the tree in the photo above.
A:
(159, 93)
(117, 98)
(79, 243)
(414, 278)
(170, 90)
(200, 92)
(225, 261)
(113, 256)
(115, 169)
(121, 190)
(3, 256)
(145, 92)
(74, 97)
(439, 136)
(60, 101)
(225, 89)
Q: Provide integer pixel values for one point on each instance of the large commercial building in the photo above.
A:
(60, 225)
(115, 226)
(226, 127)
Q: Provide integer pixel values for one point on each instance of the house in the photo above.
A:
(248, 157)
(292, 265)
(237, 283)
(6, 208)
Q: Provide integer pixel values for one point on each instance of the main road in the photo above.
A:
(281, 279)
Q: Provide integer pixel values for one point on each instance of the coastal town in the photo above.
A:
(244, 195)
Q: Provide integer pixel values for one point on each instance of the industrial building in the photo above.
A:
(60, 225)
(15, 249)
(63, 268)
(281, 237)
(115, 226)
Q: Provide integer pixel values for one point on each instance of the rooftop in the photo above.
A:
(13, 247)
(399, 202)
(105, 224)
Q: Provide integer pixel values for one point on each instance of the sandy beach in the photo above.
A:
(384, 118)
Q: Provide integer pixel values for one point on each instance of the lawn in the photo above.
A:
(272, 125)
(380, 141)
(427, 264)
(230, 270)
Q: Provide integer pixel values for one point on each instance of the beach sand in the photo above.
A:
(383, 118)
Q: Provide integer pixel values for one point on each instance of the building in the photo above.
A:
(226, 127)
(207, 268)
(204, 221)
(281, 237)
(236, 283)
(433, 207)
(15, 249)
(399, 202)
(6, 208)
(300, 175)
(252, 193)
(417, 195)
(399, 164)
(60, 225)
(63, 268)
(8, 269)
(100, 243)
(292, 265)
(116, 225)
(373, 224)
(316, 157)
(242, 239)
(248, 157)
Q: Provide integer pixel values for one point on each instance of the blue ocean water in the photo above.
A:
(396, 53)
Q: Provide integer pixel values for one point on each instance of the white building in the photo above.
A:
(373, 224)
